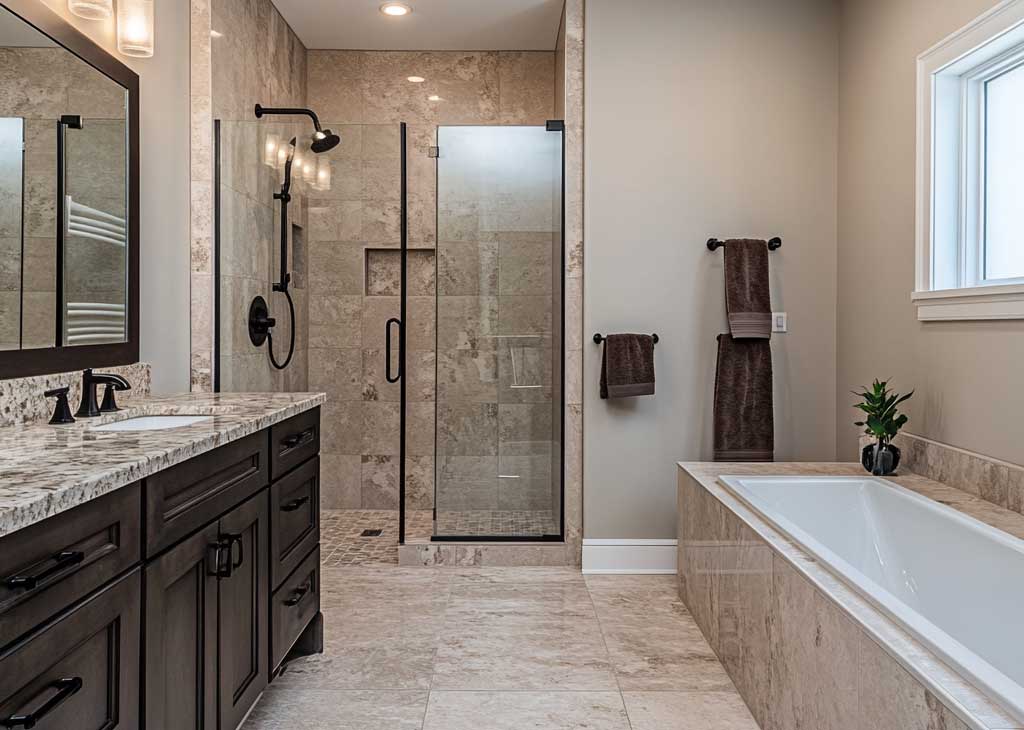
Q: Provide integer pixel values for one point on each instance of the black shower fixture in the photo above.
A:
(323, 139)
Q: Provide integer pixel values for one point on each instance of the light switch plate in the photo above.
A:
(780, 322)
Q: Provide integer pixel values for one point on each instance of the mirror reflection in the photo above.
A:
(63, 195)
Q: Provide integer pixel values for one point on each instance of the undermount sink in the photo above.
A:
(152, 423)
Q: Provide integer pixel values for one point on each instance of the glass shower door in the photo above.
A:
(498, 452)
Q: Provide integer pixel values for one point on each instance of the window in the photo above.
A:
(970, 200)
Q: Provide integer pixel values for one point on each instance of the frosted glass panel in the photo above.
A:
(1004, 176)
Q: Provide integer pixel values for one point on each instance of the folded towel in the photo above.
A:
(747, 295)
(744, 421)
(627, 366)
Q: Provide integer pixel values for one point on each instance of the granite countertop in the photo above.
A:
(46, 470)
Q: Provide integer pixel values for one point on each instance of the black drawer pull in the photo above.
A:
(65, 688)
(297, 439)
(294, 504)
(299, 593)
(61, 560)
(224, 567)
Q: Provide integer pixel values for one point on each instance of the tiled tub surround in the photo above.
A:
(46, 470)
(803, 648)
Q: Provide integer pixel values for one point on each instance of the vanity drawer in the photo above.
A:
(81, 671)
(293, 441)
(293, 606)
(47, 566)
(185, 497)
(294, 519)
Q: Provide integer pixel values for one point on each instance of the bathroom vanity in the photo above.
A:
(158, 578)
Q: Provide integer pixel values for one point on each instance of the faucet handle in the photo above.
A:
(62, 410)
(109, 404)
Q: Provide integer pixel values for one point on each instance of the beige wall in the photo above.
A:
(703, 119)
(966, 374)
(164, 188)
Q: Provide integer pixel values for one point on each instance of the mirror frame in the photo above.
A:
(21, 363)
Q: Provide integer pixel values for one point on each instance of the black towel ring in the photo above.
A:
(599, 338)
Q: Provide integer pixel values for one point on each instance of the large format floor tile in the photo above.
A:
(503, 649)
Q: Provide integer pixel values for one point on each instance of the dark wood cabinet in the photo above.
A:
(81, 670)
(154, 607)
(244, 632)
(181, 635)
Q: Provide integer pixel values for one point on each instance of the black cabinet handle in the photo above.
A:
(299, 593)
(225, 546)
(65, 688)
(297, 439)
(62, 560)
(387, 351)
(295, 503)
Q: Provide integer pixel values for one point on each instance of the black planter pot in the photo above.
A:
(884, 462)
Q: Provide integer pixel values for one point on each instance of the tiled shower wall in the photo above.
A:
(254, 57)
(354, 231)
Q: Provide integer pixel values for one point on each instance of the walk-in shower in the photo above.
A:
(426, 263)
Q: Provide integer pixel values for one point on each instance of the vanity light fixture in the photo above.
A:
(135, 28)
(395, 10)
(92, 9)
(216, 33)
(434, 97)
(323, 174)
(416, 79)
(309, 172)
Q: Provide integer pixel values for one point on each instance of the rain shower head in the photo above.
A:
(323, 139)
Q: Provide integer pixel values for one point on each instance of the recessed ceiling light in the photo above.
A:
(434, 97)
(395, 10)
(417, 79)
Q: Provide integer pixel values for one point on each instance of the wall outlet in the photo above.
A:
(780, 322)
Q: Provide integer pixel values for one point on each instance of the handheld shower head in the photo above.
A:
(323, 139)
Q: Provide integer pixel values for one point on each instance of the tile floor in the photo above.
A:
(503, 649)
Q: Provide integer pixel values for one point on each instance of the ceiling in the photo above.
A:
(16, 33)
(434, 25)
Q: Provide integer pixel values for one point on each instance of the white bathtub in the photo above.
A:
(955, 583)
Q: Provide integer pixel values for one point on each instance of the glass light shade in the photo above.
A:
(323, 174)
(92, 9)
(270, 150)
(135, 28)
(309, 171)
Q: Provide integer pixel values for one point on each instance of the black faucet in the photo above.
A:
(90, 380)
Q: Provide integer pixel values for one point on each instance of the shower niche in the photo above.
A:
(427, 275)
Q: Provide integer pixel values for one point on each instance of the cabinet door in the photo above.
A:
(244, 594)
(81, 671)
(181, 636)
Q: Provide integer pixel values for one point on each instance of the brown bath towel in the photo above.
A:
(744, 421)
(747, 295)
(627, 366)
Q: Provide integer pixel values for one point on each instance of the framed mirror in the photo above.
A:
(69, 198)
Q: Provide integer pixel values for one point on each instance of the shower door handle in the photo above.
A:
(387, 351)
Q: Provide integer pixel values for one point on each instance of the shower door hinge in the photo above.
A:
(433, 152)
(555, 125)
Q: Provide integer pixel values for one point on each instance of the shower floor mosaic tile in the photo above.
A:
(342, 541)
(503, 649)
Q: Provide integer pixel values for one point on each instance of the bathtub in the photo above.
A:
(953, 582)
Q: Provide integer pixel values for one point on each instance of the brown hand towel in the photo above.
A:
(744, 421)
(747, 294)
(627, 366)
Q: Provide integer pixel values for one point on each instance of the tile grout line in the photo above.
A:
(604, 641)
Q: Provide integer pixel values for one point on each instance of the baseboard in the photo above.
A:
(629, 557)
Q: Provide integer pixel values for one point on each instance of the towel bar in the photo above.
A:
(774, 244)
(599, 338)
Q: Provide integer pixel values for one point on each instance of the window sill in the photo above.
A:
(1004, 301)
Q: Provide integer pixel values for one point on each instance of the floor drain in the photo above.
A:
(371, 533)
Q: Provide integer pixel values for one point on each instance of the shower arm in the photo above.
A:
(289, 111)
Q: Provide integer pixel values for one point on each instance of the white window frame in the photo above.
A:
(950, 225)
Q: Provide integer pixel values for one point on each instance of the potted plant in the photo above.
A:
(882, 422)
